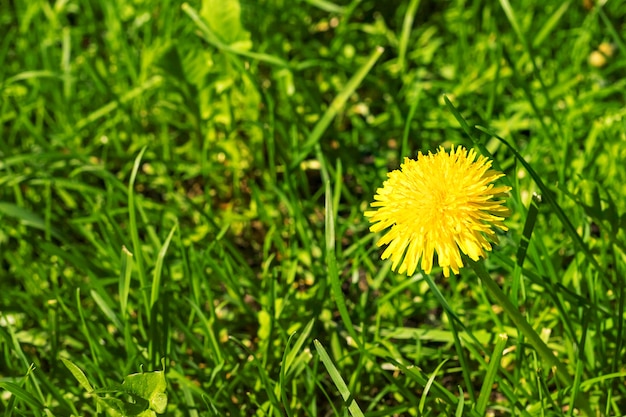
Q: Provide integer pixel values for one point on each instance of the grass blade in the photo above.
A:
(353, 407)
(510, 14)
(336, 105)
(454, 319)
(549, 26)
(215, 41)
(23, 395)
(149, 84)
(407, 124)
(427, 387)
(407, 25)
(492, 371)
(134, 232)
(547, 194)
(262, 373)
(29, 218)
(333, 272)
(291, 355)
(78, 374)
(126, 270)
(158, 268)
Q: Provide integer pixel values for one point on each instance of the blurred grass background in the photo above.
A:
(169, 174)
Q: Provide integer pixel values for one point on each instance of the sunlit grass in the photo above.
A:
(182, 188)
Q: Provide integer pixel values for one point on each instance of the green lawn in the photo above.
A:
(182, 198)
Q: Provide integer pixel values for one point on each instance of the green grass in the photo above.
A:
(182, 188)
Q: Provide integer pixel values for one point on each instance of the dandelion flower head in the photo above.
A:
(443, 203)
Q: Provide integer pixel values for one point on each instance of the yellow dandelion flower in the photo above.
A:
(444, 203)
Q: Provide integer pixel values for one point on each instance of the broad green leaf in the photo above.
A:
(223, 17)
(150, 386)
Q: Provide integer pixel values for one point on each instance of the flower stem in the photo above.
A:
(526, 329)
